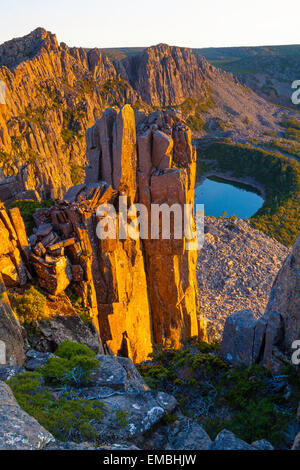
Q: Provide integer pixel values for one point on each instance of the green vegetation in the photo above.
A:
(31, 306)
(68, 349)
(19, 154)
(67, 419)
(77, 174)
(290, 143)
(248, 401)
(291, 123)
(75, 371)
(27, 209)
(60, 411)
(88, 86)
(279, 215)
(113, 91)
(192, 111)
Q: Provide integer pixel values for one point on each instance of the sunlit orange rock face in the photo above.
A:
(138, 291)
(13, 273)
(53, 94)
(155, 164)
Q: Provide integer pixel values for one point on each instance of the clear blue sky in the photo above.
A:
(191, 23)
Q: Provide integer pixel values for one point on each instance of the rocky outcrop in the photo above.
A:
(226, 440)
(137, 291)
(166, 75)
(164, 169)
(18, 430)
(49, 334)
(11, 338)
(188, 435)
(269, 340)
(166, 175)
(13, 248)
(108, 274)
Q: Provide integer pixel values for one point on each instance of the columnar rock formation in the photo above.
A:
(270, 339)
(166, 175)
(13, 272)
(53, 94)
(137, 291)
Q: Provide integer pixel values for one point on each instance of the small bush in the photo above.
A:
(73, 366)
(260, 419)
(77, 174)
(74, 420)
(31, 306)
(122, 418)
(208, 362)
(68, 349)
(67, 417)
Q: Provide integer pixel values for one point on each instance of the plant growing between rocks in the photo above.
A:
(250, 402)
(50, 394)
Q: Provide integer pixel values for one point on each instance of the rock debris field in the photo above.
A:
(235, 270)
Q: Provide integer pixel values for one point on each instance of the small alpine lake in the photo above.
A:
(221, 196)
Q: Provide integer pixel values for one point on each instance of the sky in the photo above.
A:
(129, 23)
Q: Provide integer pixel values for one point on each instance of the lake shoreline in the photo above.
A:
(229, 177)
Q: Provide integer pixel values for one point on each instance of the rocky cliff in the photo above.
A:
(137, 291)
(14, 253)
(53, 94)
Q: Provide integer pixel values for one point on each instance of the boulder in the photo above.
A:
(296, 444)
(226, 440)
(8, 372)
(188, 435)
(18, 430)
(53, 277)
(125, 393)
(36, 359)
(238, 337)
